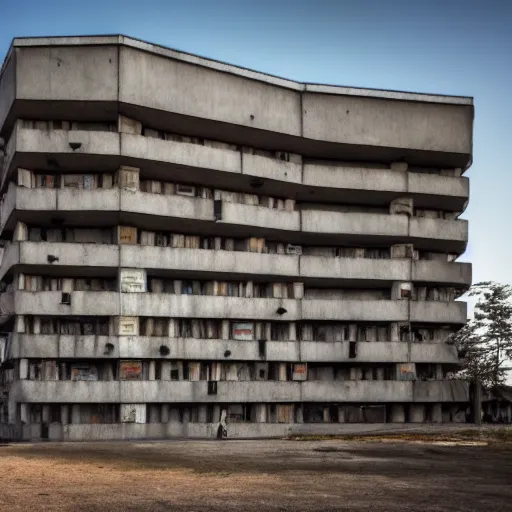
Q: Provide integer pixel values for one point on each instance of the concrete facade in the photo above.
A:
(189, 247)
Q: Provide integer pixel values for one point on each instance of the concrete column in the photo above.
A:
(268, 331)
(282, 371)
(225, 330)
(36, 325)
(416, 413)
(477, 402)
(292, 331)
(352, 332)
(64, 414)
(186, 416)
(216, 413)
(327, 416)
(23, 369)
(109, 371)
(509, 413)
(63, 372)
(24, 414)
(11, 412)
(174, 415)
(299, 416)
(165, 370)
(75, 414)
(353, 373)
(154, 413)
(397, 413)
(20, 323)
(437, 413)
(368, 374)
(380, 373)
(46, 414)
(164, 413)
(439, 372)
(152, 370)
(395, 332)
(341, 414)
(202, 413)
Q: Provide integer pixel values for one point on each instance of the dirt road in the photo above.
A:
(255, 476)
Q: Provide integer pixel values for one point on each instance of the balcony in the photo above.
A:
(204, 306)
(82, 303)
(240, 105)
(55, 346)
(208, 166)
(439, 312)
(82, 259)
(25, 391)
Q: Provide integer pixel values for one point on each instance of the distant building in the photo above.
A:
(189, 243)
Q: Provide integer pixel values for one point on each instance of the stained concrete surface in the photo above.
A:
(279, 475)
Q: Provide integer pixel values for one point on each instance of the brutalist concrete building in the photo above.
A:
(192, 248)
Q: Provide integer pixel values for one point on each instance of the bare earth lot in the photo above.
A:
(277, 475)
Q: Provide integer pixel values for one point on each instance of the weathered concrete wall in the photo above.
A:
(183, 154)
(82, 303)
(7, 87)
(204, 306)
(439, 312)
(48, 346)
(209, 261)
(355, 268)
(414, 125)
(272, 169)
(26, 391)
(441, 391)
(67, 73)
(201, 92)
(355, 310)
(349, 391)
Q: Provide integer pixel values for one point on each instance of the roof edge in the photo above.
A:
(156, 49)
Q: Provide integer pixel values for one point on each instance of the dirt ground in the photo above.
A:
(276, 475)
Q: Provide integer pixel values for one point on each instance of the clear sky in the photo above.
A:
(459, 47)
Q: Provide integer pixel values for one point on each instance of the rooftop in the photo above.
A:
(232, 69)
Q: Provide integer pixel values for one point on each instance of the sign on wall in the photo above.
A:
(130, 370)
(243, 331)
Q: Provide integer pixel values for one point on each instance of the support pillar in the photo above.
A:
(23, 369)
(202, 413)
(24, 414)
(341, 414)
(174, 415)
(397, 413)
(437, 413)
(152, 370)
(164, 413)
(216, 413)
(225, 330)
(292, 331)
(299, 414)
(416, 413)
(75, 414)
(64, 414)
(477, 402)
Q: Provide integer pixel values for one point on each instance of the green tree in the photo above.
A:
(485, 342)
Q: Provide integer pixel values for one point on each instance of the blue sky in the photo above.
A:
(448, 47)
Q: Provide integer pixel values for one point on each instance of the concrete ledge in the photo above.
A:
(49, 346)
(26, 391)
(82, 303)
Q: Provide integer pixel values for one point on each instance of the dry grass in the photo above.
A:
(253, 476)
(484, 436)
